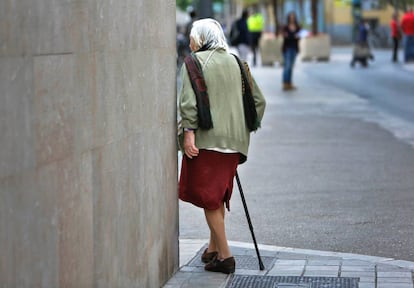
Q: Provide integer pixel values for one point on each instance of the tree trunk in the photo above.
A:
(276, 15)
(302, 12)
(314, 8)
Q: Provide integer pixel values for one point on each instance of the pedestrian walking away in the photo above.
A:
(216, 132)
(395, 35)
(407, 26)
(255, 24)
(290, 49)
(362, 52)
(240, 36)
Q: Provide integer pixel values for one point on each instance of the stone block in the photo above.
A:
(121, 25)
(16, 116)
(322, 268)
(54, 103)
(394, 274)
(366, 285)
(61, 31)
(14, 23)
(315, 47)
(271, 49)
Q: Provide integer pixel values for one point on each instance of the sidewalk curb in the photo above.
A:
(349, 256)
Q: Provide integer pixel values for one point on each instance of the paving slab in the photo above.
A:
(321, 267)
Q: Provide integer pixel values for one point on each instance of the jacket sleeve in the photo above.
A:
(259, 100)
(187, 102)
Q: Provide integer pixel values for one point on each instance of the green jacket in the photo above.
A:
(224, 85)
(255, 23)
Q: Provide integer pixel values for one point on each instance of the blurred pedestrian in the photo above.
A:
(363, 33)
(182, 46)
(362, 51)
(255, 24)
(213, 150)
(395, 35)
(290, 49)
(407, 26)
(240, 36)
(193, 17)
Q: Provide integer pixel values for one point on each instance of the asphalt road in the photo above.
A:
(330, 169)
(388, 86)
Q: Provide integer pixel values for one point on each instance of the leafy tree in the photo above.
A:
(250, 2)
(398, 4)
(314, 11)
(277, 12)
(183, 4)
(276, 16)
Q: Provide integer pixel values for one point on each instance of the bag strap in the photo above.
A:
(250, 113)
(200, 90)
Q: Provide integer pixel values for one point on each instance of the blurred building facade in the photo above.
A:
(334, 17)
(339, 21)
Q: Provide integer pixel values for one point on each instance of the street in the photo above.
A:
(332, 167)
(389, 87)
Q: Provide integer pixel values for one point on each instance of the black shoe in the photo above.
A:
(208, 256)
(226, 266)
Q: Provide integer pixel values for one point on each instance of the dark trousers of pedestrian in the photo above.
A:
(395, 40)
(255, 38)
(289, 56)
(409, 48)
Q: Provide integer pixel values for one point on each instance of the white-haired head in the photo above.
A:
(208, 34)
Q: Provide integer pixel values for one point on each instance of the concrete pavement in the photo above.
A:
(349, 227)
(334, 270)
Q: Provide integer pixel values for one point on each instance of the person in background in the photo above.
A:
(362, 51)
(255, 24)
(182, 46)
(363, 33)
(240, 36)
(212, 154)
(290, 49)
(395, 35)
(407, 26)
(193, 17)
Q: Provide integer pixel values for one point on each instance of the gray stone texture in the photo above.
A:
(88, 168)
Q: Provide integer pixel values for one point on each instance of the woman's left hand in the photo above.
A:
(189, 144)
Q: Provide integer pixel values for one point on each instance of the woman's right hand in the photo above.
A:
(189, 144)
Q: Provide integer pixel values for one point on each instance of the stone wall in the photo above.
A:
(88, 168)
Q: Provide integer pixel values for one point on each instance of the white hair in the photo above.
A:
(208, 32)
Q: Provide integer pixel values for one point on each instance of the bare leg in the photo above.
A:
(215, 221)
(212, 247)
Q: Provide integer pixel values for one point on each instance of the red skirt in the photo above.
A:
(207, 180)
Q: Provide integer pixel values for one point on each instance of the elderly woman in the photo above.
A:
(211, 156)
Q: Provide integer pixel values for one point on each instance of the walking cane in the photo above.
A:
(261, 266)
